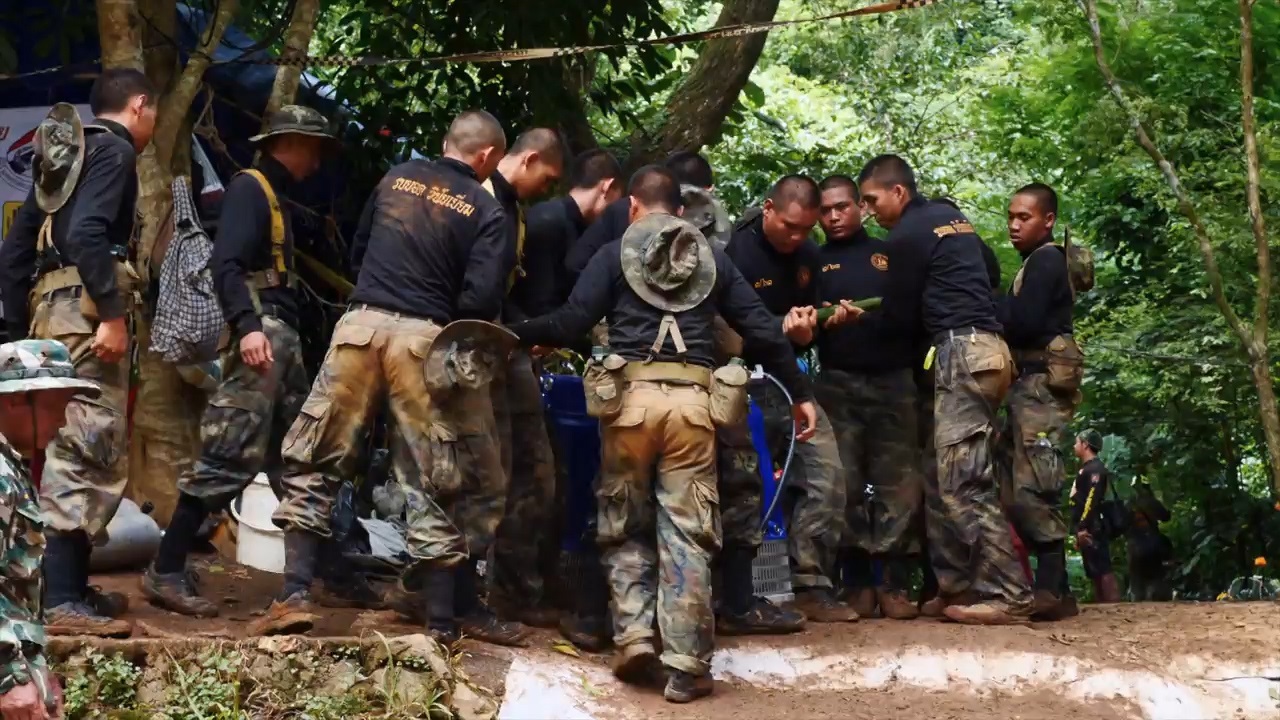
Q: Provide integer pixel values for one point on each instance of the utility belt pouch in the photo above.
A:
(1064, 363)
(127, 282)
(729, 395)
(603, 383)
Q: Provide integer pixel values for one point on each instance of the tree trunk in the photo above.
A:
(296, 41)
(119, 32)
(697, 108)
(1253, 340)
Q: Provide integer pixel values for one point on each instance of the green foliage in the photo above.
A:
(106, 688)
(209, 690)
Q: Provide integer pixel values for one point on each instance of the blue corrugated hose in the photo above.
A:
(791, 451)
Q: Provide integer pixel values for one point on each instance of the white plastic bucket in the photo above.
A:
(259, 543)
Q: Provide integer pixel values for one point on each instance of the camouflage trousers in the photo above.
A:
(969, 541)
(874, 417)
(531, 492)
(1032, 472)
(245, 421)
(658, 534)
(376, 355)
(84, 476)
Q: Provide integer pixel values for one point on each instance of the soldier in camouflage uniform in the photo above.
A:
(37, 380)
(867, 386)
(74, 237)
(662, 286)
(263, 380)
(1037, 319)
(437, 258)
(939, 288)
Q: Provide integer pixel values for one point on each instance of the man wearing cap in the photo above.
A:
(437, 253)
(74, 237)
(939, 289)
(37, 381)
(1088, 495)
(1037, 318)
(263, 380)
(661, 286)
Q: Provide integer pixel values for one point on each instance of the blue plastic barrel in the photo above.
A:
(578, 436)
(775, 527)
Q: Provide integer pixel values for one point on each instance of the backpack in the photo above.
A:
(188, 321)
(1079, 266)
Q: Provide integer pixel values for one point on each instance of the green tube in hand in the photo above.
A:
(825, 313)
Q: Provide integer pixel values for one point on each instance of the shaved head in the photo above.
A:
(544, 141)
(472, 132)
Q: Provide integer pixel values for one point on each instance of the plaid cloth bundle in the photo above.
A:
(188, 321)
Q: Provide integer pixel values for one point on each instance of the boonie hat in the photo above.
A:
(295, 120)
(467, 353)
(59, 156)
(668, 262)
(37, 365)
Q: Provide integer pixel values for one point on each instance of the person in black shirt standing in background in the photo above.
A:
(1036, 316)
(1087, 521)
(84, 291)
(866, 385)
(774, 252)
(939, 288)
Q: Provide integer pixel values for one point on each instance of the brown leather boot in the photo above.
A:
(537, 616)
(483, 625)
(683, 687)
(819, 604)
(895, 605)
(936, 606)
(863, 601)
(81, 619)
(637, 664)
(176, 592)
(984, 613)
(292, 616)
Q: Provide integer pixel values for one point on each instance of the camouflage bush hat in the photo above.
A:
(467, 353)
(296, 120)
(667, 262)
(704, 211)
(1092, 438)
(60, 156)
(35, 365)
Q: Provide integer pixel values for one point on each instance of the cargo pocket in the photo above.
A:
(26, 547)
(1047, 467)
(704, 492)
(229, 427)
(304, 435)
(1064, 363)
(351, 335)
(603, 383)
(444, 474)
(729, 395)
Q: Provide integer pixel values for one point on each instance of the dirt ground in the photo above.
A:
(1146, 636)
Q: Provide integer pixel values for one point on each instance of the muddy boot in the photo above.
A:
(990, 612)
(683, 687)
(292, 612)
(936, 606)
(437, 605)
(406, 603)
(863, 601)
(820, 605)
(355, 592)
(538, 615)
(741, 612)
(587, 624)
(1051, 569)
(475, 619)
(176, 592)
(107, 604)
(637, 664)
(893, 598)
(80, 618)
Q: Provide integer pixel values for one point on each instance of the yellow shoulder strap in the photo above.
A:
(518, 270)
(277, 221)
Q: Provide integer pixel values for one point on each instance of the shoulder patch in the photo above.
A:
(880, 261)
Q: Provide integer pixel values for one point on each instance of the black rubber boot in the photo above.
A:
(587, 624)
(341, 584)
(1051, 572)
(439, 593)
(301, 556)
(742, 612)
(475, 619)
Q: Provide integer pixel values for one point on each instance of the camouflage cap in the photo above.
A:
(667, 262)
(296, 120)
(60, 156)
(1092, 438)
(468, 354)
(704, 211)
(35, 365)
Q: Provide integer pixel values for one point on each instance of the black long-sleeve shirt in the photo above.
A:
(610, 226)
(551, 229)
(90, 232)
(1041, 308)
(603, 290)
(1087, 496)
(509, 199)
(782, 280)
(437, 244)
(857, 268)
(938, 279)
(243, 246)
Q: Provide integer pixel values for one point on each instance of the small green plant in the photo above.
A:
(104, 685)
(209, 690)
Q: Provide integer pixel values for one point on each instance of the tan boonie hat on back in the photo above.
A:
(59, 157)
(667, 262)
(296, 120)
(468, 354)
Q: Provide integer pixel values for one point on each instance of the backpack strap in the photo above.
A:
(278, 265)
(1017, 279)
